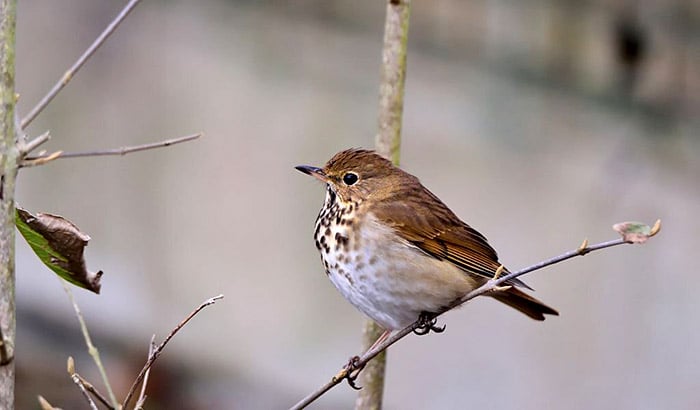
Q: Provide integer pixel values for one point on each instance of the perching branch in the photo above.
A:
(43, 159)
(157, 351)
(68, 75)
(492, 285)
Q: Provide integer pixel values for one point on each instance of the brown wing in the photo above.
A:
(422, 219)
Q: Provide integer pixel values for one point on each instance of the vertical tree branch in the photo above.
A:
(9, 157)
(387, 143)
(393, 75)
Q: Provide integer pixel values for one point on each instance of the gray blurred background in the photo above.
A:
(540, 123)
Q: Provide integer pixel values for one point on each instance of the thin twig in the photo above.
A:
(44, 404)
(68, 75)
(152, 358)
(489, 286)
(30, 161)
(92, 350)
(142, 396)
(93, 390)
(79, 382)
(34, 144)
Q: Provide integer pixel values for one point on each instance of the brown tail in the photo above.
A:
(525, 303)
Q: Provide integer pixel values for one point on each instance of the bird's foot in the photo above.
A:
(351, 371)
(427, 322)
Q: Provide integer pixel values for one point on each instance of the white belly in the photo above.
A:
(390, 281)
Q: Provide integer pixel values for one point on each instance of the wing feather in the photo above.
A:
(437, 231)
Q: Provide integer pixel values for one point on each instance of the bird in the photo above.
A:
(394, 250)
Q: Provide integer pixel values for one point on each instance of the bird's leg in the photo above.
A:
(380, 339)
(427, 322)
(353, 368)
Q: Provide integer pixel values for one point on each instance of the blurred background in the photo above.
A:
(538, 122)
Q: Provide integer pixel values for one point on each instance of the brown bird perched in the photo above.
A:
(394, 250)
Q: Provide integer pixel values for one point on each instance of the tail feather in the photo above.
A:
(525, 303)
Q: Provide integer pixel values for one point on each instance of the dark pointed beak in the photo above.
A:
(315, 172)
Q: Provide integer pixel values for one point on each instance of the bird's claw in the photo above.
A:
(351, 371)
(426, 324)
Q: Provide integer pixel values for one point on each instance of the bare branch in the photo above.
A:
(490, 286)
(68, 75)
(387, 143)
(34, 144)
(156, 353)
(92, 350)
(93, 390)
(45, 405)
(42, 159)
(142, 396)
(78, 381)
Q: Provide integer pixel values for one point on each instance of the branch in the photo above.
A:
(490, 286)
(92, 390)
(92, 350)
(79, 382)
(34, 144)
(142, 396)
(45, 405)
(9, 160)
(387, 144)
(68, 75)
(393, 79)
(43, 159)
(156, 353)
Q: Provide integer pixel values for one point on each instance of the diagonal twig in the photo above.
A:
(79, 382)
(157, 351)
(490, 286)
(142, 396)
(68, 75)
(92, 350)
(45, 405)
(42, 159)
(33, 144)
(93, 390)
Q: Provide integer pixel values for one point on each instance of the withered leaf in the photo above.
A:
(59, 244)
(637, 232)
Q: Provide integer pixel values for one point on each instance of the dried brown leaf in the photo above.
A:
(60, 245)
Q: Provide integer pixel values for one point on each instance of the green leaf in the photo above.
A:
(59, 244)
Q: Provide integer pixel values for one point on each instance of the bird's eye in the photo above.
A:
(350, 178)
